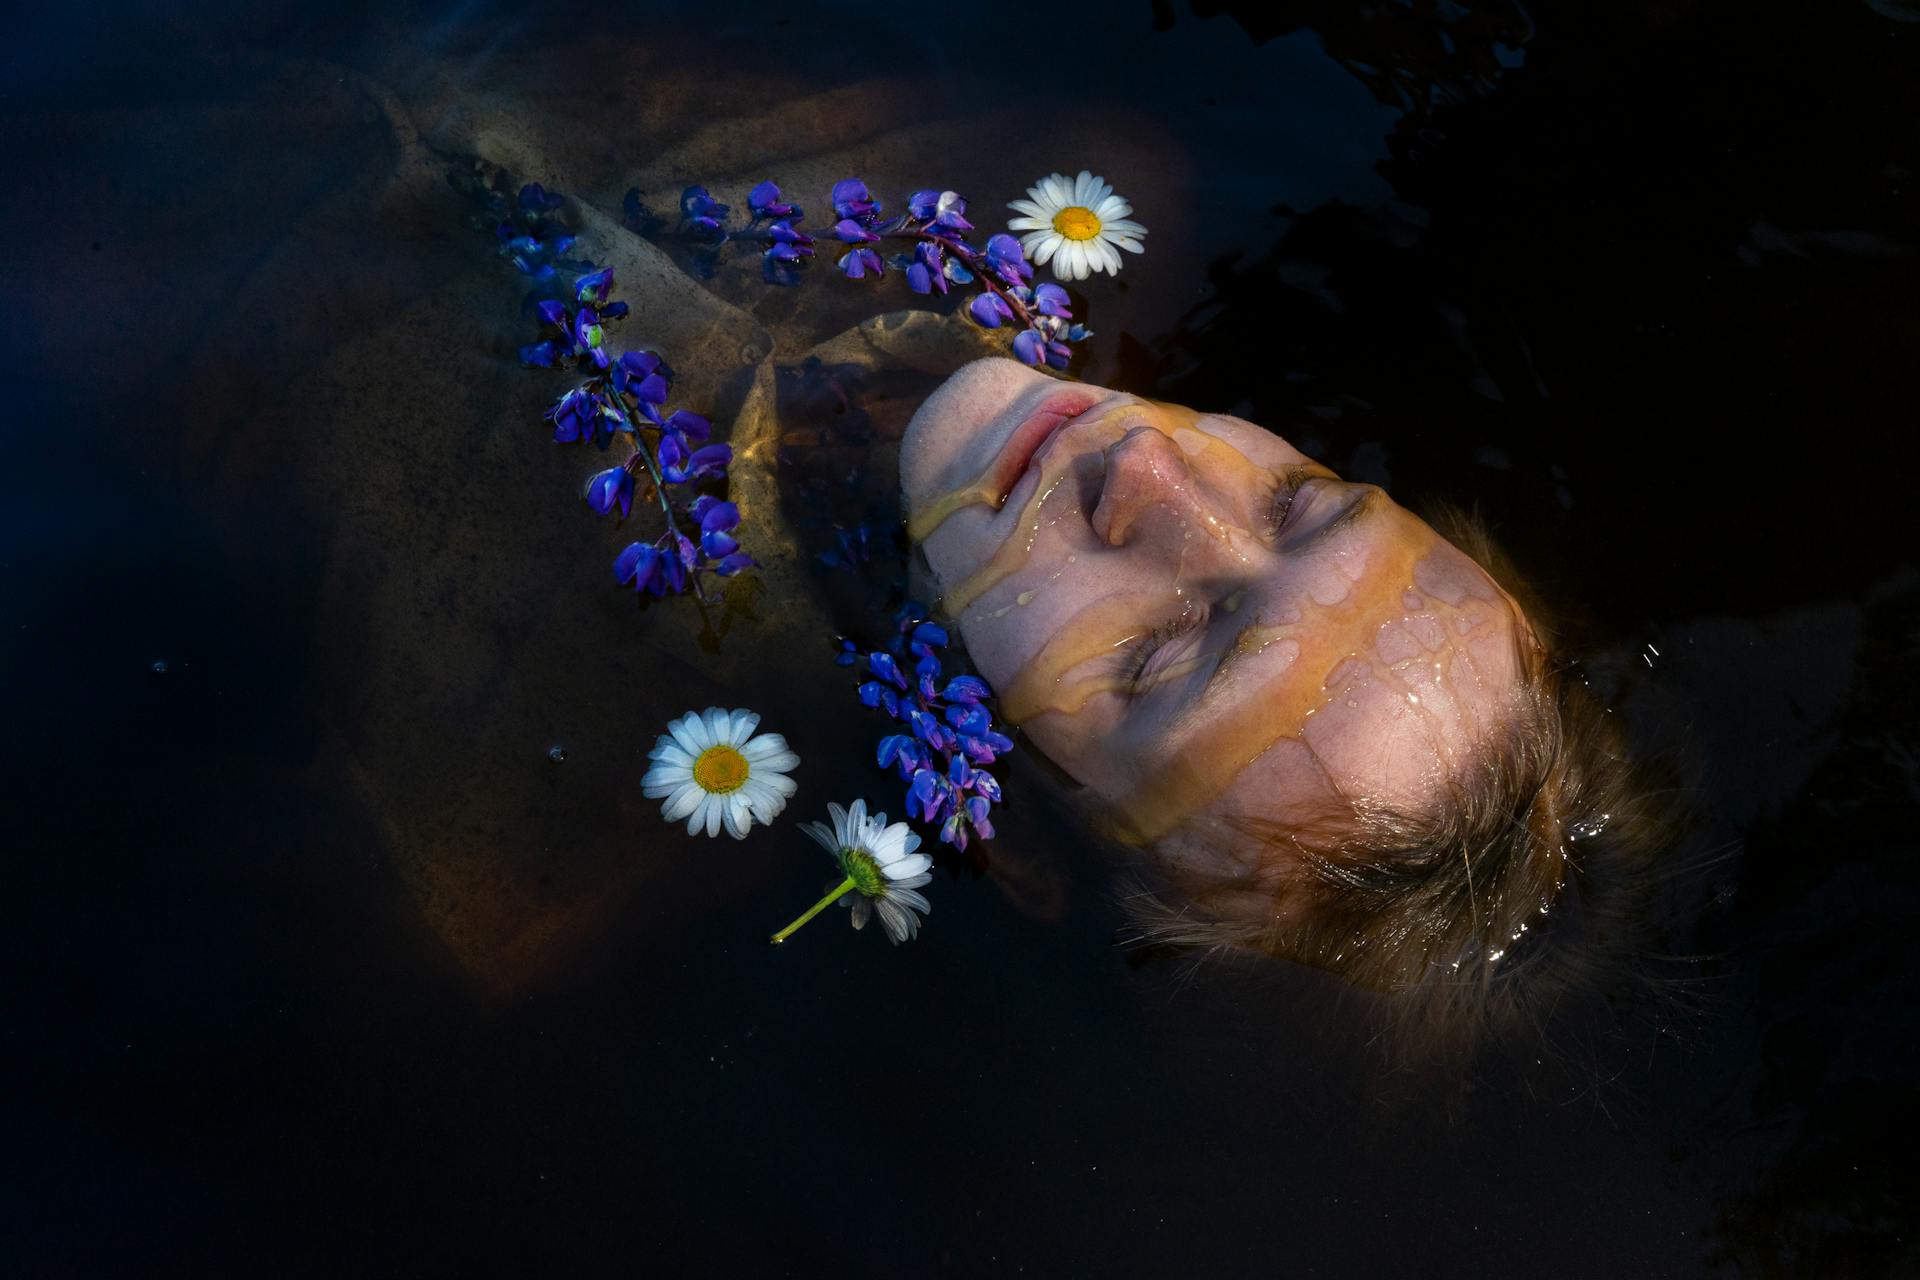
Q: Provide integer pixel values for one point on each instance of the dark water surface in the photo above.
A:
(318, 964)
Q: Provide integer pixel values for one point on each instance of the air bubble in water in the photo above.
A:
(556, 753)
(159, 666)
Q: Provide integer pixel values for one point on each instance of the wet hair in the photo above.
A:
(1482, 913)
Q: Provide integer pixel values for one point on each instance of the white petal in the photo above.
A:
(908, 898)
(661, 779)
(774, 764)
(682, 802)
(856, 816)
(821, 832)
(1106, 257)
(670, 752)
(911, 882)
(1083, 188)
(862, 910)
(1027, 207)
(890, 920)
(1059, 190)
(1129, 244)
(698, 818)
(738, 817)
(1028, 224)
(719, 725)
(762, 801)
(690, 733)
(1124, 227)
(887, 845)
(743, 725)
(780, 783)
(908, 867)
(715, 809)
(1049, 245)
(767, 744)
(1111, 208)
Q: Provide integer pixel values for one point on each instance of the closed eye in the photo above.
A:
(1291, 482)
(1137, 654)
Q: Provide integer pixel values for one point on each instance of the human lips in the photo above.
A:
(1055, 410)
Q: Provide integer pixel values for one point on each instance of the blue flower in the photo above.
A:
(639, 566)
(576, 416)
(688, 426)
(696, 204)
(1006, 259)
(764, 202)
(1051, 300)
(852, 200)
(928, 270)
(610, 488)
(858, 262)
(989, 310)
(597, 284)
(850, 232)
(677, 466)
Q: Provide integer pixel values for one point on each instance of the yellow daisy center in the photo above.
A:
(1076, 222)
(720, 770)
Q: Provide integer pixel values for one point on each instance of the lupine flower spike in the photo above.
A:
(951, 735)
(624, 398)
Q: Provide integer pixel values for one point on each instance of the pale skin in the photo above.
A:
(1196, 621)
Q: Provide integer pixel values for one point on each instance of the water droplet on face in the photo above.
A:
(556, 753)
(1025, 597)
(160, 666)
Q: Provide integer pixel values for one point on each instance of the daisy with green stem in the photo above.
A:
(881, 868)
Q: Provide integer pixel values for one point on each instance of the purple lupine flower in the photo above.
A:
(989, 310)
(1051, 300)
(697, 203)
(610, 488)
(639, 565)
(764, 202)
(1029, 347)
(595, 284)
(977, 809)
(882, 665)
(735, 563)
(928, 271)
(677, 466)
(858, 262)
(687, 425)
(553, 312)
(966, 689)
(922, 204)
(1006, 259)
(850, 232)
(949, 214)
(851, 199)
(576, 416)
(543, 355)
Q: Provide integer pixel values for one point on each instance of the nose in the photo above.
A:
(1145, 471)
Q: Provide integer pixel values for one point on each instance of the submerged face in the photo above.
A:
(1195, 620)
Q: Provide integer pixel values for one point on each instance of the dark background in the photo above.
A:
(1638, 278)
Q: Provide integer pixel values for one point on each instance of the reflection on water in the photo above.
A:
(328, 959)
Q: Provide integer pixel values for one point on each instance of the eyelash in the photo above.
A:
(1291, 481)
(1139, 651)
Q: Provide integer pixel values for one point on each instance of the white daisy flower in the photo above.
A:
(1076, 222)
(712, 770)
(881, 868)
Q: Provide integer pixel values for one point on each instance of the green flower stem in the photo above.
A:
(813, 910)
